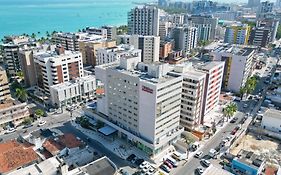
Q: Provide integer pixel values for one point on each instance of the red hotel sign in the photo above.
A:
(147, 89)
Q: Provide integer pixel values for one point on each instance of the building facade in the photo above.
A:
(214, 78)
(13, 113)
(69, 41)
(111, 54)
(144, 21)
(149, 46)
(185, 38)
(206, 26)
(192, 95)
(238, 65)
(73, 92)
(4, 86)
(260, 36)
(141, 101)
(237, 34)
(57, 67)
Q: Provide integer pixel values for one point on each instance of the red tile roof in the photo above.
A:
(69, 141)
(14, 155)
(52, 146)
(270, 171)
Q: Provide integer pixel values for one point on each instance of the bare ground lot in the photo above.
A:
(268, 148)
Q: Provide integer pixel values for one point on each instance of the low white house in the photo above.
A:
(78, 90)
(272, 120)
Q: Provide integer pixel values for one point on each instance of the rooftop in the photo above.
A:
(273, 113)
(240, 50)
(209, 65)
(69, 141)
(14, 155)
(249, 158)
(52, 146)
(9, 103)
(74, 82)
(101, 166)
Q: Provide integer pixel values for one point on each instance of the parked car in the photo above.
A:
(172, 161)
(199, 154)
(165, 168)
(10, 130)
(27, 126)
(205, 162)
(131, 157)
(144, 165)
(168, 164)
(139, 162)
(199, 170)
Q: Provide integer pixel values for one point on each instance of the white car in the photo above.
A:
(41, 123)
(144, 165)
(199, 154)
(10, 130)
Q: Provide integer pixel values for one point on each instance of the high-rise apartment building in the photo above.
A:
(28, 69)
(238, 65)
(69, 41)
(206, 25)
(144, 20)
(141, 101)
(111, 54)
(11, 58)
(237, 34)
(193, 89)
(265, 8)
(57, 67)
(260, 36)
(149, 45)
(4, 86)
(88, 49)
(185, 38)
(270, 23)
(213, 83)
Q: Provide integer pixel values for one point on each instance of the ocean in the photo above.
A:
(38, 16)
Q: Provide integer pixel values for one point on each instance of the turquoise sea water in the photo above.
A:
(28, 16)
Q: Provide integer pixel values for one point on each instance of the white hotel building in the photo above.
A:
(142, 102)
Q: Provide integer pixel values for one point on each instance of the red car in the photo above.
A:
(168, 164)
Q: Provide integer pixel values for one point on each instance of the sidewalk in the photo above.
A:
(119, 147)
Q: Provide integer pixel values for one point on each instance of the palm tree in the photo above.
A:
(21, 94)
(230, 110)
(48, 34)
(33, 35)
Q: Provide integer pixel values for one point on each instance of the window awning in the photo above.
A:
(107, 130)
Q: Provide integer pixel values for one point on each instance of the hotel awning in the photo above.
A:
(107, 130)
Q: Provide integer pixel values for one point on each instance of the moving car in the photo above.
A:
(213, 153)
(205, 162)
(198, 154)
(41, 123)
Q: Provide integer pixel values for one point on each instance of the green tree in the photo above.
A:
(230, 110)
(27, 121)
(39, 113)
(249, 86)
(21, 94)
(20, 74)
